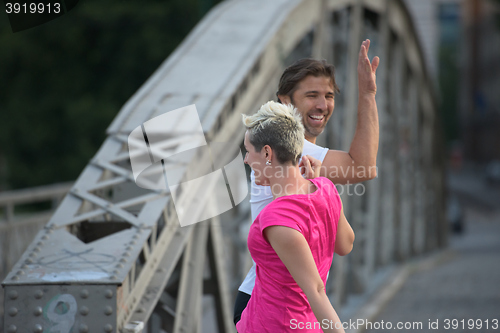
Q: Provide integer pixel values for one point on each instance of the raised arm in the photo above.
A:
(294, 252)
(359, 164)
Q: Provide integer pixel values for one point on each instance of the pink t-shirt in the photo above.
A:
(277, 303)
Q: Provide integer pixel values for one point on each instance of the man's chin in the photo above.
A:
(315, 133)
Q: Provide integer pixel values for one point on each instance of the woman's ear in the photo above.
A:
(267, 152)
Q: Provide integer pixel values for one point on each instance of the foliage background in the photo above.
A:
(63, 82)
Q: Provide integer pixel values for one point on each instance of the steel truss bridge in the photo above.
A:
(113, 255)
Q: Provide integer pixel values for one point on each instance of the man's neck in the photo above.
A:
(310, 139)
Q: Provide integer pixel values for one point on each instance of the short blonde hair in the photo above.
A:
(279, 126)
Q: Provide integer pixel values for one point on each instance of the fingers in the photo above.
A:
(302, 160)
(305, 161)
(302, 166)
(310, 167)
(375, 63)
(364, 61)
(362, 52)
(365, 46)
(306, 169)
(314, 162)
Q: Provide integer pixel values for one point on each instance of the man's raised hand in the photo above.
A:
(366, 70)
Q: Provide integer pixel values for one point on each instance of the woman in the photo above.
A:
(294, 237)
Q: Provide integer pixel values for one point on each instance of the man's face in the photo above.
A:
(313, 98)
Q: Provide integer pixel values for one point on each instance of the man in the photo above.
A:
(310, 86)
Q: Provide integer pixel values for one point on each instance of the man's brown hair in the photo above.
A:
(302, 68)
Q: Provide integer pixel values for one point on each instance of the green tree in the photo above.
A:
(64, 81)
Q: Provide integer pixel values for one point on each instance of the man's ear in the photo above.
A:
(285, 99)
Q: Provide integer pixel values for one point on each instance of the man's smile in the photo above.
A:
(317, 119)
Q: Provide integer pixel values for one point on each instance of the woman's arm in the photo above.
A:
(294, 252)
(345, 236)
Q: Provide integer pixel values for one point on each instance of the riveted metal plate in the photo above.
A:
(60, 308)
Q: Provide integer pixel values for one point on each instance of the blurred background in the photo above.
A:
(62, 83)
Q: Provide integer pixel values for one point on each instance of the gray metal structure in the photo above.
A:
(114, 254)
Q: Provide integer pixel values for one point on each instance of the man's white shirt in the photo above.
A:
(261, 196)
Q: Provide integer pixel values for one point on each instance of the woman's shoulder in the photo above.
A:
(327, 192)
(289, 206)
(286, 202)
(285, 211)
(323, 183)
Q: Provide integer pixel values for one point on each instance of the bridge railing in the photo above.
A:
(18, 226)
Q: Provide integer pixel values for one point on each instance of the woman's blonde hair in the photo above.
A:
(279, 126)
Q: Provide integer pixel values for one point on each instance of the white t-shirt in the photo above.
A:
(260, 196)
